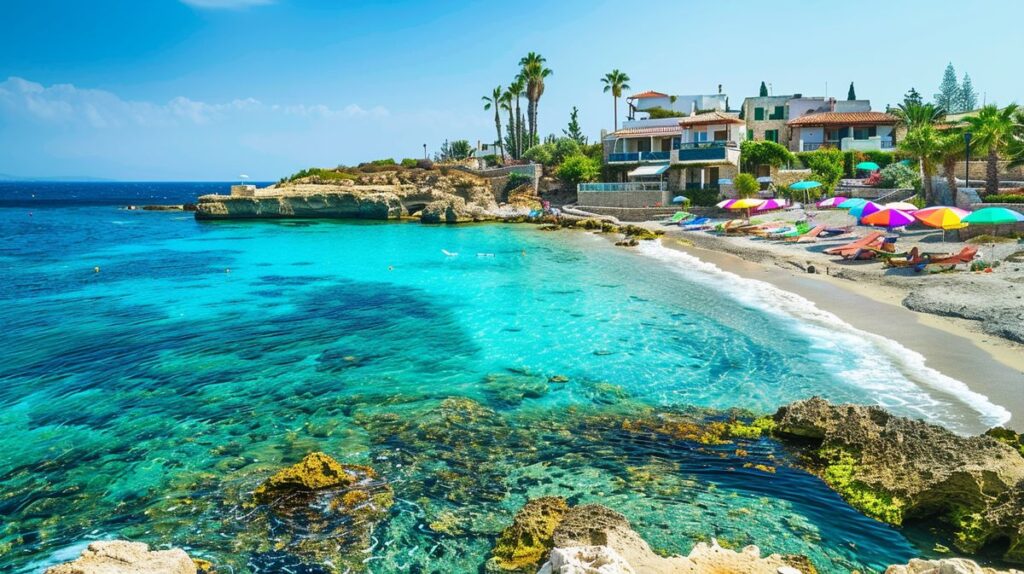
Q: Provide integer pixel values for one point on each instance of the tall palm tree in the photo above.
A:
(494, 101)
(914, 114)
(614, 82)
(534, 72)
(951, 150)
(506, 104)
(994, 131)
(923, 143)
(516, 88)
(1015, 149)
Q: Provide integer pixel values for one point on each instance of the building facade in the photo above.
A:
(645, 101)
(847, 131)
(767, 117)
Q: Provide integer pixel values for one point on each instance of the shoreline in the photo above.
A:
(987, 364)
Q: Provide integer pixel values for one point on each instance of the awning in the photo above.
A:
(649, 170)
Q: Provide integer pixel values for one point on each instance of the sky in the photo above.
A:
(209, 89)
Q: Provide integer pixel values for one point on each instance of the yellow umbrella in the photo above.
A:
(745, 203)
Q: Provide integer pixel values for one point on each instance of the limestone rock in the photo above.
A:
(524, 544)
(944, 566)
(315, 472)
(897, 469)
(123, 557)
(586, 560)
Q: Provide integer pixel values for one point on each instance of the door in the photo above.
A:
(712, 176)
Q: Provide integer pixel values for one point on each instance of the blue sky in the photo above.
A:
(208, 89)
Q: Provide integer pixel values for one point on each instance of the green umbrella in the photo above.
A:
(802, 185)
(993, 216)
(868, 166)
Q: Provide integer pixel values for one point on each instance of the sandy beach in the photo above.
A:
(984, 356)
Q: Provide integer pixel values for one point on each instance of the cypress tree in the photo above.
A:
(764, 89)
(851, 95)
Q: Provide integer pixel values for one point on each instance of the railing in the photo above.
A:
(698, 145)
(703, 153)
(701, 186)
(624, 186)
(638, 156)
(888, 144)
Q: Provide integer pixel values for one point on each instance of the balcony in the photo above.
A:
(700, 152)
(638, 156)
(624, 186)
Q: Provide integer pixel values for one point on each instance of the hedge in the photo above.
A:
(852, 158)
(1003, 198)
(703, 197)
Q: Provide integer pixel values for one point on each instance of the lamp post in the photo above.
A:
(425, 151)
(967, 154)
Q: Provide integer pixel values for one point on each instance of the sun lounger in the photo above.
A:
(867, 240)
(919, 261)
(679, 216)
(886, 247)
(807, 236)
(697, 224)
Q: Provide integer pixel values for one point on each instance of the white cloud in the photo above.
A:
(226, 4)
(66, 104)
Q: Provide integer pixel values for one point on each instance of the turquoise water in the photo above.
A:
(149, 399)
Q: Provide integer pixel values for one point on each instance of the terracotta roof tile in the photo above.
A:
(843, 118)
(647, 94)
(715, 117)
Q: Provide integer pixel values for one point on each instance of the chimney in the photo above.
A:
(719, 89)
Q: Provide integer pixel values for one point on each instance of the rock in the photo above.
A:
(642, 233)
(586, 560)
(944, 566)
(123, 557)
(897, 469)
(204, 566)
(315, 472)
(524, 544)
(628, 242)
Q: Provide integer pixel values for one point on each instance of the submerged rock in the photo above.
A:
(315, 472)
(524, 544)
(897, 470)
(123, 557)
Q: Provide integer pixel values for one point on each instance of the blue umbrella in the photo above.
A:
(764, 179)
(725, 181)
(678, 199)
(851, 203)
(802, 185)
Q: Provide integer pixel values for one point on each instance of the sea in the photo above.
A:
(155, 369)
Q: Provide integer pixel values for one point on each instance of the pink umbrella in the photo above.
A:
(888, 217)
(724, 204)
(771, 204)
(862, 211)
(832, 202)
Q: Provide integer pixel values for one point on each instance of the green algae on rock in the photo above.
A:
(900, 470)
(523, 546)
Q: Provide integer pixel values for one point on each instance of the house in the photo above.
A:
(861, 131)
(767, 117)
(645, 101)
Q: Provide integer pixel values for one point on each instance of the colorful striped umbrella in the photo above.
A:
(888, 217)
(901, 205)
(832, 201)
(867, 208)
(993, 216)
(851, 203)
(745, 203)
(942, 217)
(771, 204)
(724, 204)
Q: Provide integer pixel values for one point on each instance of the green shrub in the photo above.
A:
(1003, 198)
(320, 173)
(899, 176)
(385, 161)
(554, 152)
(703, 197)
(755, 153)
(594, 152)
(658, 113)
(410, 162)
(746, 185)
(826, 166)
(578, 169)
(543, 154)
(517, 179)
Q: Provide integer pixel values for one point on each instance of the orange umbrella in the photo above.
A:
(942, 217)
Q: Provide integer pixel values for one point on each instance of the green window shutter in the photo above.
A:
(758, 114)
(750, 134)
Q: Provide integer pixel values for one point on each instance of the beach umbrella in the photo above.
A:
(867, 166)
(771, 204)
(901, 205)
(832, 201)
(764, 179)
(724, 204)
(907, 162)
(806, 184)
(865, 209)
(888, 217)
(851, 203)
(993, 216)
(942, 217)
(678, 199)
(745, 203)
(724, 181)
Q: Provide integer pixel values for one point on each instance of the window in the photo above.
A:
(750, 134)
(778, 113)
(758, 114)
(864, 133)
(771, 135)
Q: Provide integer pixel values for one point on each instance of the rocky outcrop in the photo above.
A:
(899, 470)
(123, 557)
(315, 472)
(452, 196)
(523, 545)
(944, 566)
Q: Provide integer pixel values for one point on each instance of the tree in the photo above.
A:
(948, 97)
(912, 97)
(746, 185)
(852, 94)
(951, 150)
(614, 82)
(755, 153)
(994, 130)
(456, 150)
(534, 72)
(968, 99)
(924, 144)
(1015, 149)
(913, 114)
(516, 88)
(494, 101)
(573, 131)
(764, 90)
(826, 166)
(507, 105)
(578, 169)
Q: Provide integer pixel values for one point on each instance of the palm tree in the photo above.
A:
(534, 72)
(614, 82)
(951, 150)
(923, 143)
(913, 114)
(1015, 149)
(994, 131)
(494, 101)
(506, 104)
(516, 88)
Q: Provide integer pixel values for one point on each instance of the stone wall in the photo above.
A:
(498, 177)
(978, 167)
(631, 214)
(622, 198)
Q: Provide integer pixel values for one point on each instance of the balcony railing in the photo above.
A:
(624, 186)
(698, 145)
(638, 156)
(704, 151)
(701, 186)
(888, 144)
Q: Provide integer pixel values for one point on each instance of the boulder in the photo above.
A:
(522, 546)
(944, 566)
(586, 560)
(315, 472)
(897, 469)
(123, 557)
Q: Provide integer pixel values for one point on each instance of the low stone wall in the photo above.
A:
(978, 167)
(631, 214)
(787, 177)
(627, 199)
(997, 230)
(498, 177)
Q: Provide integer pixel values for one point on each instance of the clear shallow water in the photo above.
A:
(149, 399)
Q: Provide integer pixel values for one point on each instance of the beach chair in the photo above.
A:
(869, 239)
(679, 216)
(697, 224)
(885, 248)
(807, 236)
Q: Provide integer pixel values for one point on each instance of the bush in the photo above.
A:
(1003, 198)
(566, 147)
(578, 169)
(826, 166)
(543, 154)
(319, 173)
(594, 152)
(517, 179)
(746, 185)
(424, 164)
(899, 176)
(385, 161)
(410, 162)
(703, 197)
(553, 153)
(755, 153)
(490, 159)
